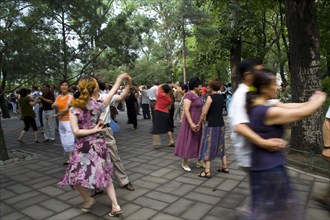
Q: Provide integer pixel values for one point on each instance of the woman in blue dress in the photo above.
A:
(272, 193)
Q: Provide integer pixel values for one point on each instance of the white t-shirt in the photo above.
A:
(237, 115)
(105, 116)
(152, 93)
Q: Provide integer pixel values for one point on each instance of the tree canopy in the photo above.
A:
(46, 40)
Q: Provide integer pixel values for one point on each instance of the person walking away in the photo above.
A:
(47, 99)
(189, 137)
(272, 193)
(27, 114)
(145, 102)
(213, 139)
(91, 165)
(131, 108)
(62, 102)
(13, 101)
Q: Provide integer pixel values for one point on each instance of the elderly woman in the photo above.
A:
(190, 134)
(213, 139)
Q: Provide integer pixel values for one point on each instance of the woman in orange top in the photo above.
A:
(62, 103)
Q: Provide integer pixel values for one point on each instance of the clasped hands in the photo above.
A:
(195, 128)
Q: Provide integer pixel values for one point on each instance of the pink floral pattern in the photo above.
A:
(91, 166)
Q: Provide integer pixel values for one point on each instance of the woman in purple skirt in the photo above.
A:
(272, 193)
(190, 134)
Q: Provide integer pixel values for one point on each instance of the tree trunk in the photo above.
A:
(305, 70)
(5, 114)
(236, 45)
(65, 50)
(184, 53)
(328, 66)
(3, 102)
(3, 147)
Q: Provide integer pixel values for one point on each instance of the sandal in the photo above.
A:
(87, 208)
(224, 170)
(170, 145)
(205, 175)
(115, 213)
(19, 140)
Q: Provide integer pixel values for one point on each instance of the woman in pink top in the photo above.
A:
(162, 121)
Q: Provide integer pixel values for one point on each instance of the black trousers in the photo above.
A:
(29, 121)
(146, 111)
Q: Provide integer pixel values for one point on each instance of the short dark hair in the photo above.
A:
(102, 86)
(166, 88)
(215, 84)
(64, 81)
(247, 65)
(23, 92)
(46, 85)
(156, 82)
(194, 82)
(184, 87)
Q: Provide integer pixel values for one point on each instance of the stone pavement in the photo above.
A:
(164, 190)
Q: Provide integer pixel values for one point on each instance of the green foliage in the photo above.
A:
(326, 85)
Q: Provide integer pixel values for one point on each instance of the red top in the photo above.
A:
(204, 90)
(163, 100)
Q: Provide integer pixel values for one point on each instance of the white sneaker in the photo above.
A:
(186, 168)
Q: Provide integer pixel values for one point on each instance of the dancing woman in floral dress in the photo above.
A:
(91, 166)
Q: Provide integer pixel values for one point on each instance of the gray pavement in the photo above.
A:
(164, 190)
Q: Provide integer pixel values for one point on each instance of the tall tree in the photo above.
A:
(304, 68)
(236, 43)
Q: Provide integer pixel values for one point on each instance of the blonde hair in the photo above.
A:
(86, 87)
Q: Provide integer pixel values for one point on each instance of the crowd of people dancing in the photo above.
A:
(85, 116)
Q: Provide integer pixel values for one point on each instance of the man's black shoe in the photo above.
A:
(129, 186)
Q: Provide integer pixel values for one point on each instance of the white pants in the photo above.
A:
(36, 109)
(177, 110)
(66, 135)
(49, 124)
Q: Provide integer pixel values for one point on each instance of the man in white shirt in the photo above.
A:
(152, 93)
(238, 117)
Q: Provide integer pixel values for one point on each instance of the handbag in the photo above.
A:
(114, 126)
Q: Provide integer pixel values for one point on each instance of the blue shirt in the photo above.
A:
(262, 159)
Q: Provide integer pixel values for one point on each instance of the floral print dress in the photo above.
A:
(90, 166)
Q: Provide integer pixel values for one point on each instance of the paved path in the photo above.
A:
(163, 189)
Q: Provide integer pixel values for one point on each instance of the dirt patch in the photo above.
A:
(16, 156)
